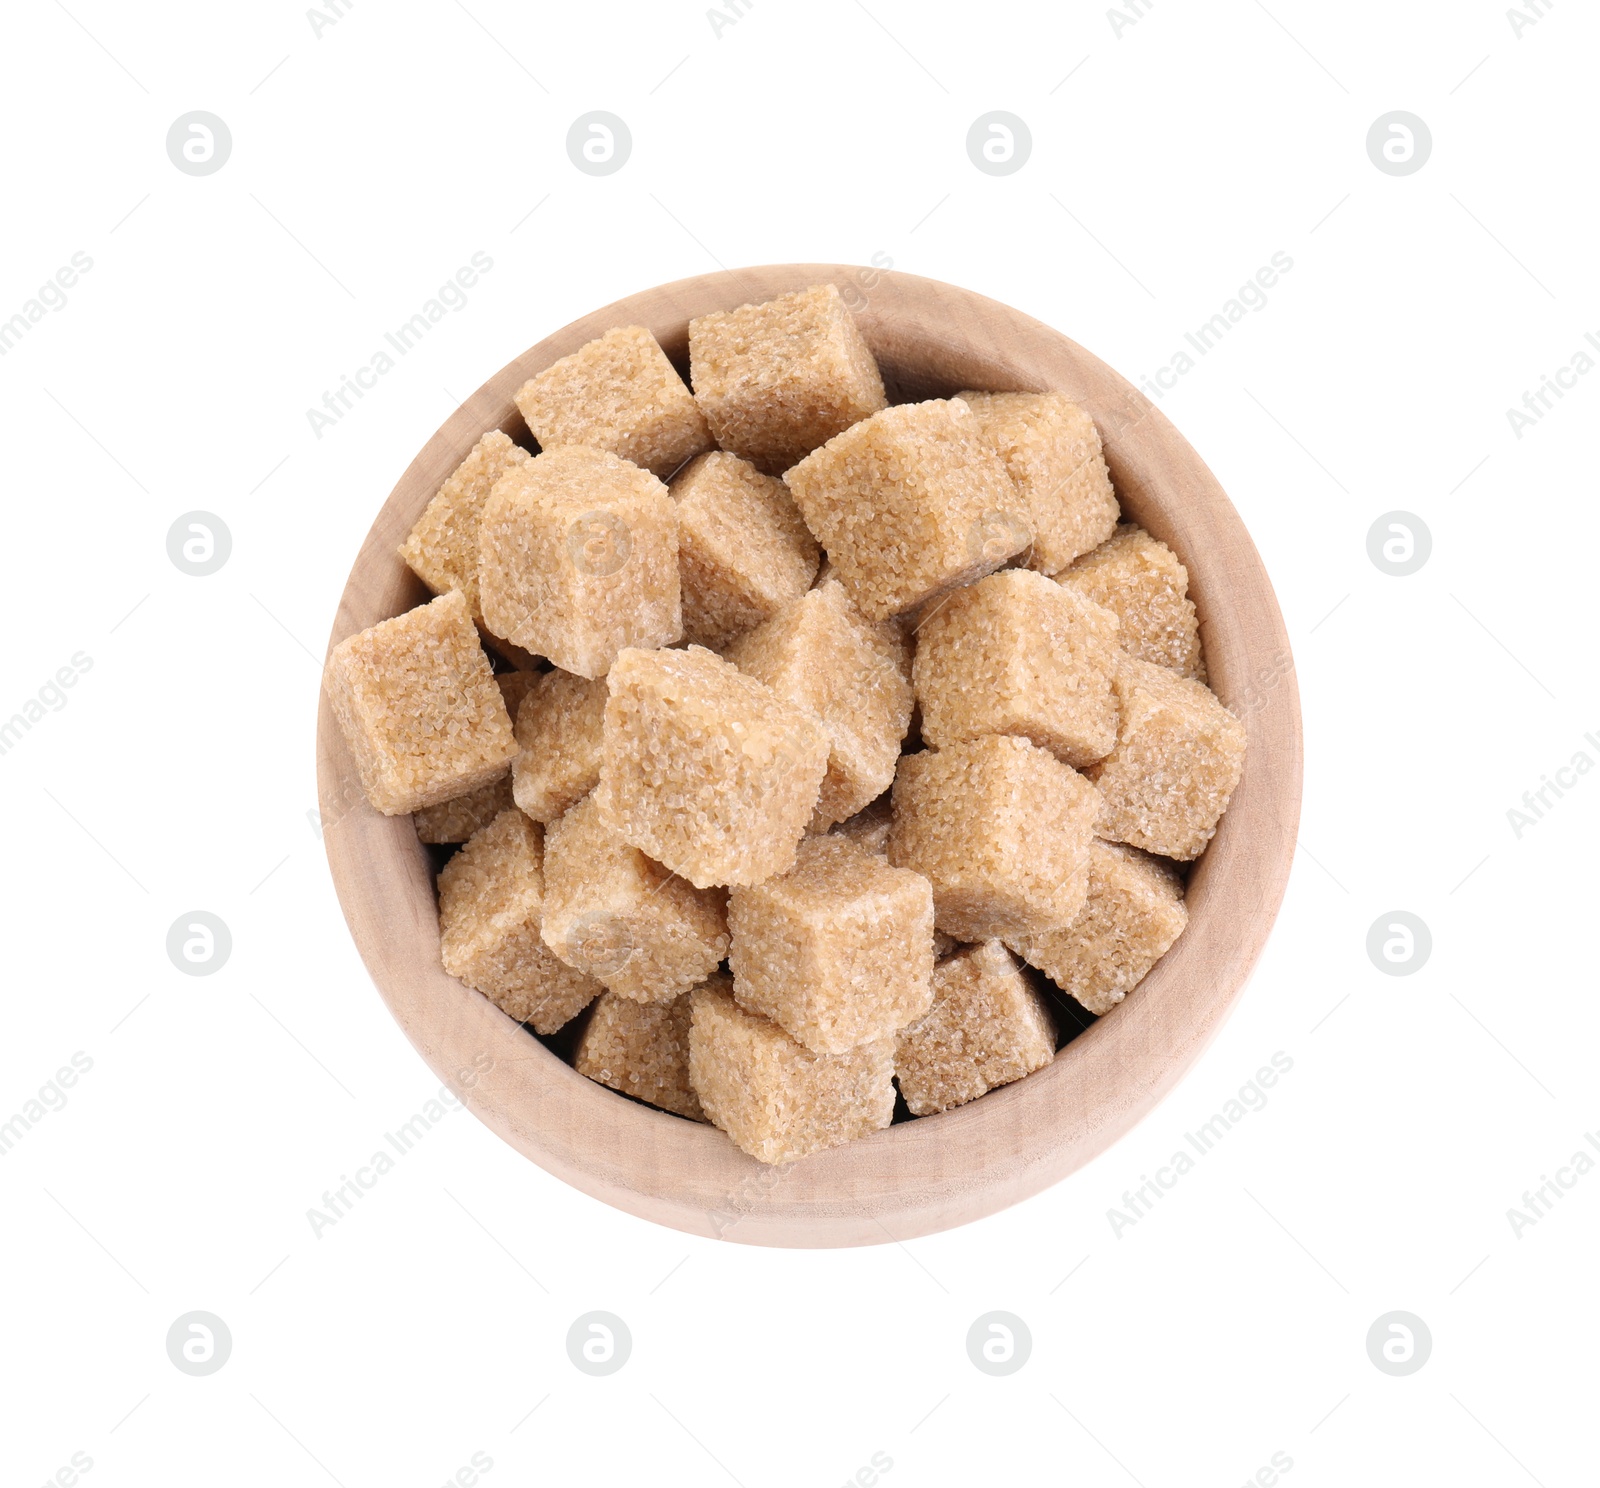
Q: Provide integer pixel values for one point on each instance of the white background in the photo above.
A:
(369, 163)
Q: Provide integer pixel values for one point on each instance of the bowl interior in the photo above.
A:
(931, 340)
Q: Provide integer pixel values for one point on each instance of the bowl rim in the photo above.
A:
(935, 1172)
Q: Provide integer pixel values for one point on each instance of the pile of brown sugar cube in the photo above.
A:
(863, 726)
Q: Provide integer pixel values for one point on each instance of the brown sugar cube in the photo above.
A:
(619, 394)
(1143, 582)
(910, 502)
(558, 731)
(418, 706)
(1052, 451)
(641, 1049)
(1001, 829)
(744, 551)
(838, 951)
(773, 1096)
(1178, 757)
(706, 769)
(778, 379)
(457, 820)
(610, 911)
(986, 1028)
(1006, 656)
(491, 897)
(578, 557)
(821, 655)
(442, 549)
(869, 827)
(1133, 914)
(514, 686)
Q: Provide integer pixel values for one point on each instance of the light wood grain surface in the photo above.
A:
(932, 340)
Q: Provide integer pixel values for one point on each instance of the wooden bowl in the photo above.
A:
(931, 340)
